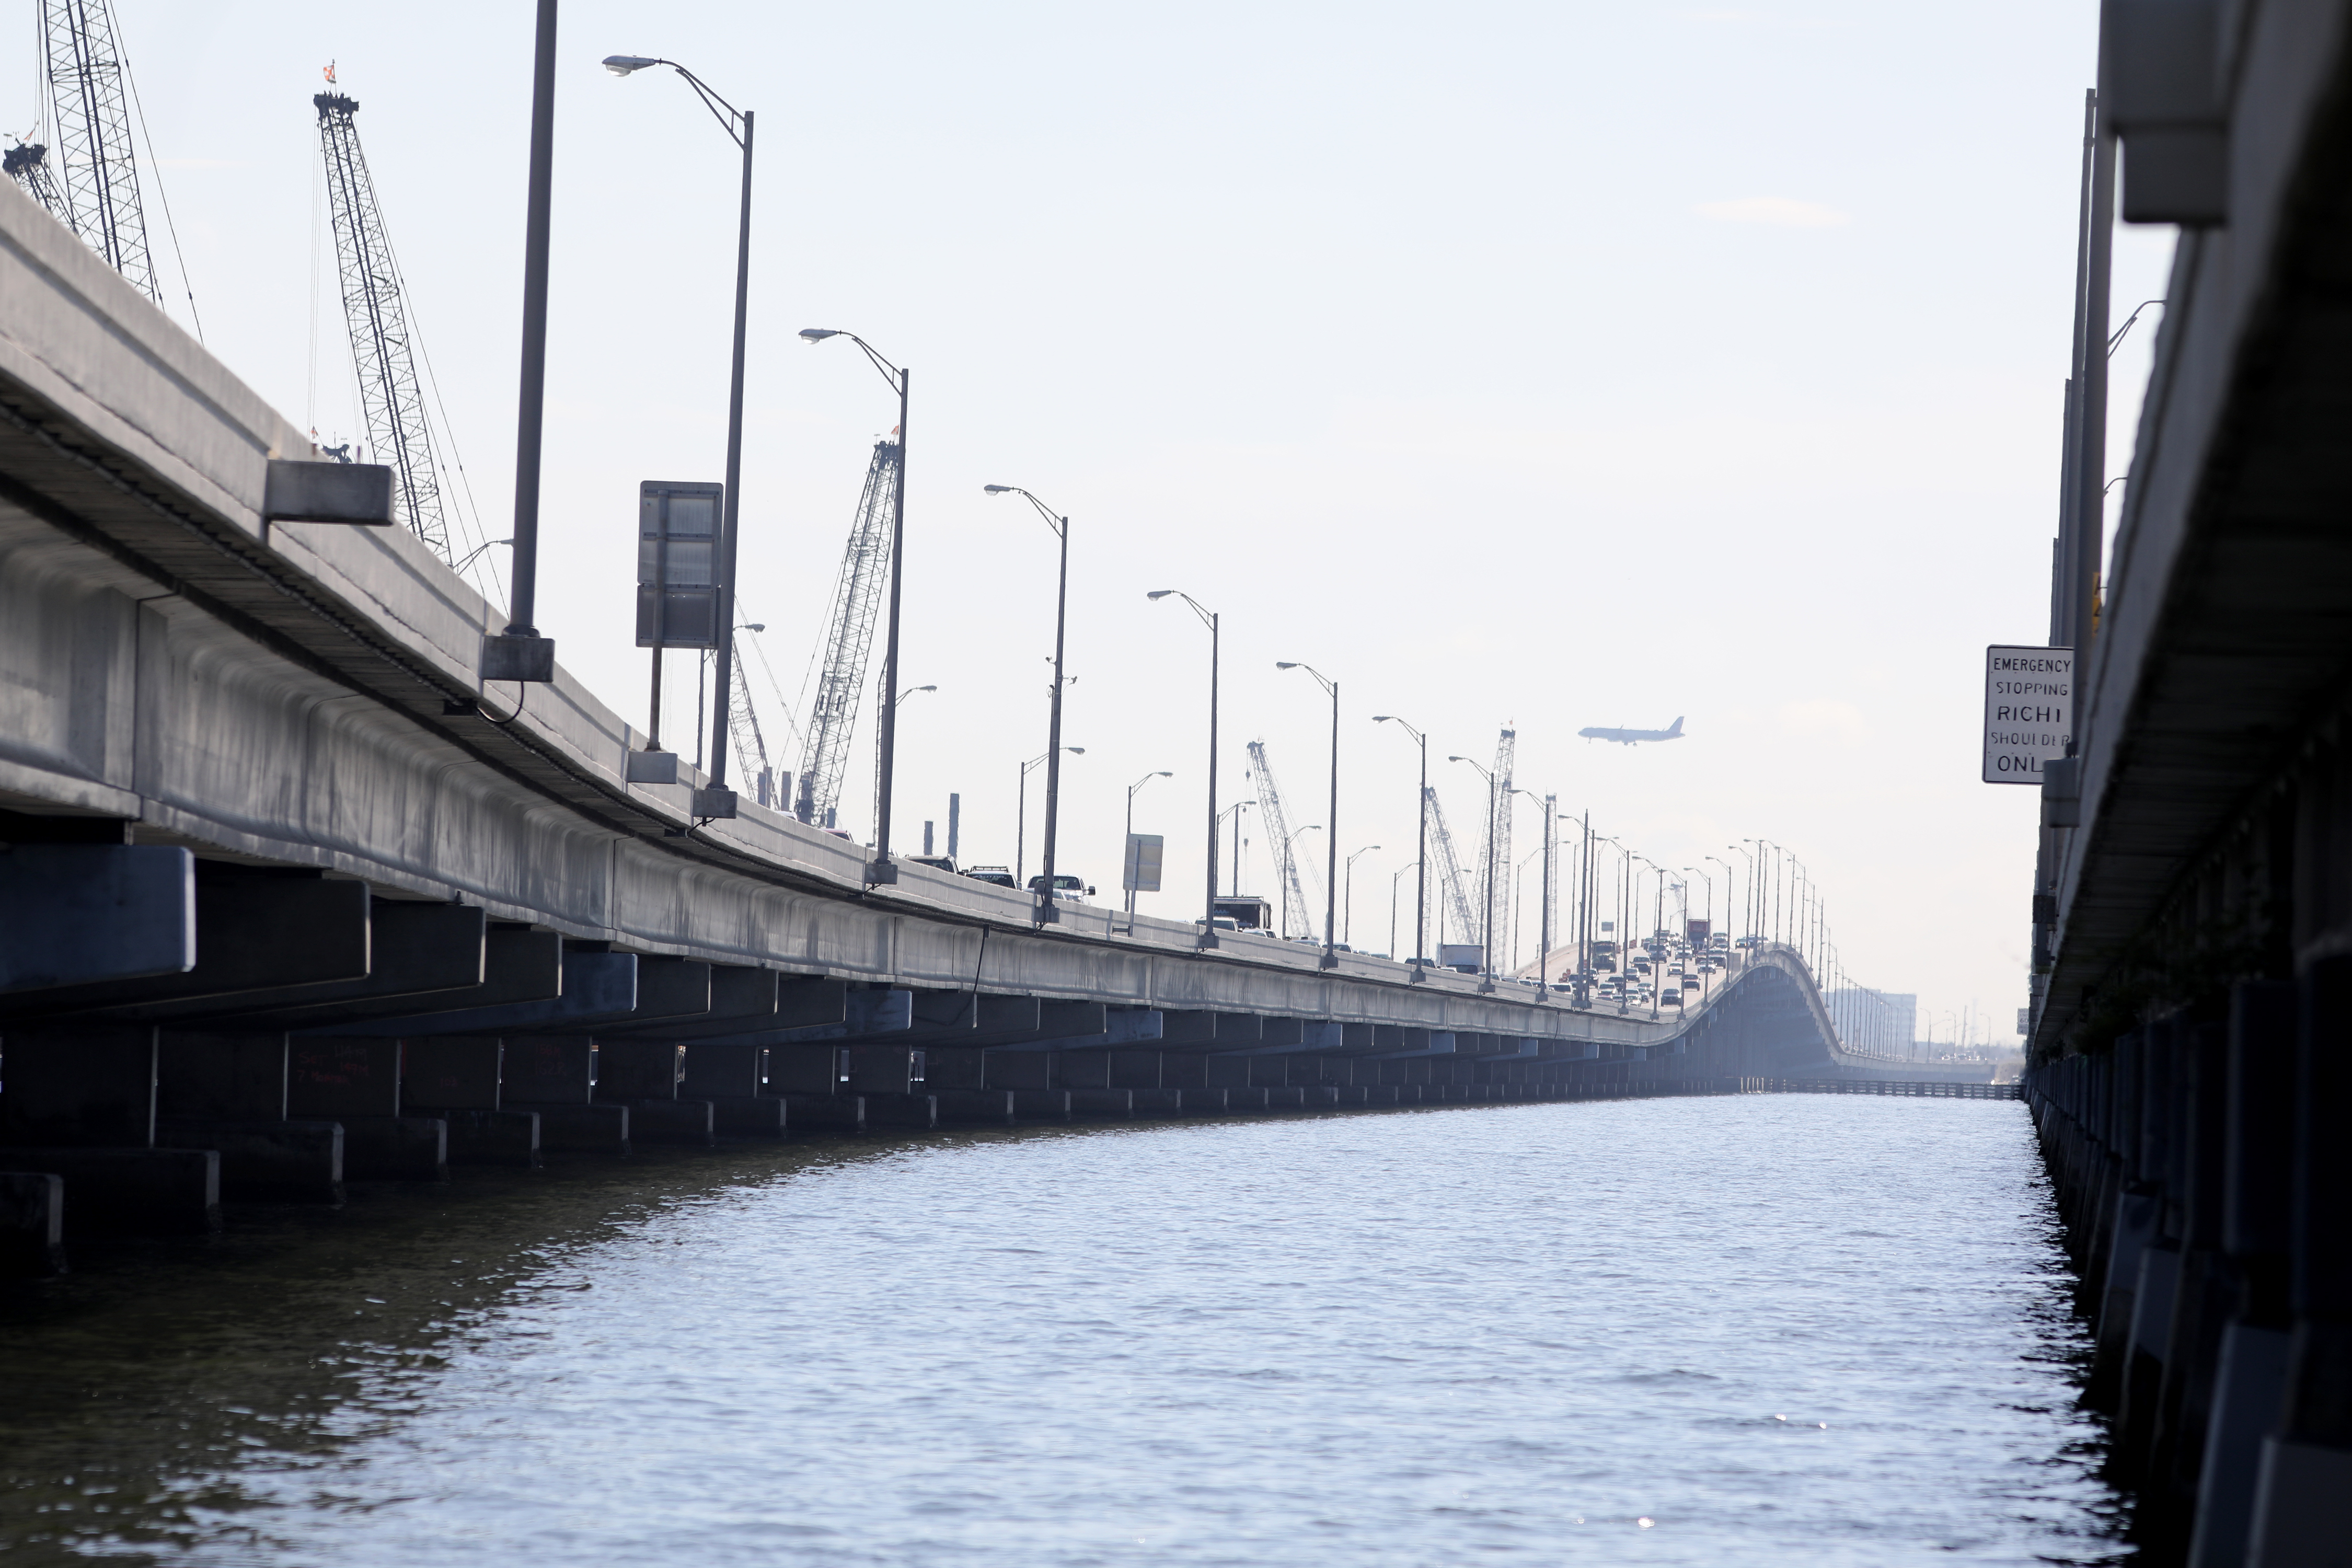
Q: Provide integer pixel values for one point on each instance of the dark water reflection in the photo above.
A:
(1768, 1330)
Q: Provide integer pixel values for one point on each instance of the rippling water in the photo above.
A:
(1765, 1329)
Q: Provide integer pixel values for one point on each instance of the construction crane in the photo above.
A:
(391, 402)
(1498, 880)
(857, 601)
(1451, 891)
(1278, 824)
(744, 725)
(95, 192)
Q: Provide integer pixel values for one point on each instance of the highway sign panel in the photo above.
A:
(2029, 712)
(1143, 858)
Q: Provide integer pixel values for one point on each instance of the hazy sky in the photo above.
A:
(1557, 364)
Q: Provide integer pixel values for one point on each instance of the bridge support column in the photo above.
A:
(129, 1192)
(2306, 1467)
(32, 1224)
(550, 1075)
(227, 1093)
(989, 1107)
(2250, 1375)
(729, 1077)
(1087, 1075)
(80, 1087)
(455, 1078)
(356, 1081)
(643, 1076)
(80, 1105)
(1136, 1070)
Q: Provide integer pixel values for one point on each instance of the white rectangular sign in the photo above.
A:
(2029, 712)
(1143, 858)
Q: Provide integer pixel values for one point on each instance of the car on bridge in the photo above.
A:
(1072, 889)
(996, 876)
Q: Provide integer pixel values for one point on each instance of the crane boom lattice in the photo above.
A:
(1498, 880)
(382, 349)
(743, 727)
(1452, 892)
(98, 178)
(832, 717)
(1277, 826)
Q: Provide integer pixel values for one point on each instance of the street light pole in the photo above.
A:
(1234, 811)
(1347, 931)
(1208, 908)
(1748, 908)
(1421, 856)
(1021, 810)
(1130, 863)
(1396, 881)
(717, 800)
(1543, 914)
(1046, 914)
(881, 872)
(1332, 874)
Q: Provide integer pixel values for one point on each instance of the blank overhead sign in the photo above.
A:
(2029, 712)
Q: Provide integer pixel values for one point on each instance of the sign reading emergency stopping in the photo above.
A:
(2029, 712)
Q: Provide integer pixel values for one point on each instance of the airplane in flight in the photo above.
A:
(1632, 737)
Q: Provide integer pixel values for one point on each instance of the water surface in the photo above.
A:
(1803, 1329)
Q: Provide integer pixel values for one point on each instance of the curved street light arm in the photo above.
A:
(1324, 681)
(1053, 518)
(1207, 617)
(730, 117)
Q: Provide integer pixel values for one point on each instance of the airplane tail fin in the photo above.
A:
(1677, 730)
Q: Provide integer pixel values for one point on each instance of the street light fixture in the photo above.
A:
(1421, 855)
(1330, 959)
(910, 691)
(1209, 618)
(1130, 861)
(717, 800)
(1486, 935)
(885, 767)
(1046, 914)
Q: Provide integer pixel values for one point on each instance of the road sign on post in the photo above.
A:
(678, 596)
(2029, 711)
(1142, 871)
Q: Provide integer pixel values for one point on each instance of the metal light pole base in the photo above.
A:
(713, 802)
(1208, 942)
(516, 657)
(881, 874)
(1486, 987)
(1045, 914)
(1420, 974)
(1329, 960)
(651, 767)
